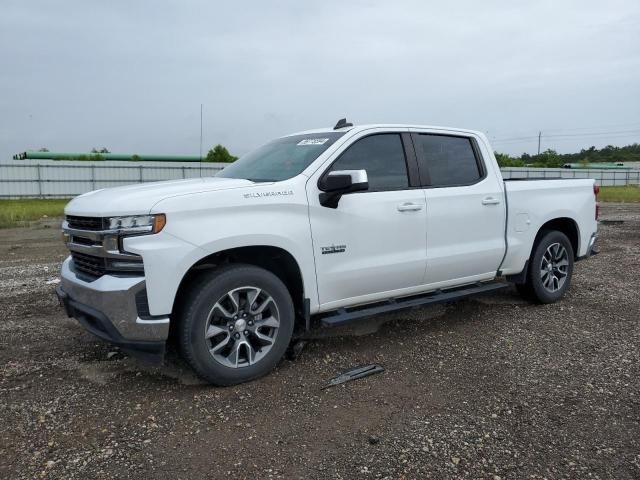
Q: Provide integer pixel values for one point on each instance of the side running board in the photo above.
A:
(350, 314)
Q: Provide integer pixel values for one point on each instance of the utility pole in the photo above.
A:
(201, 141)
(201, 132)
(539, 135)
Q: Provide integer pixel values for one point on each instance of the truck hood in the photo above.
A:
(139, 198)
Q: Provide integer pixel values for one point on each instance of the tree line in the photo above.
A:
(552, 159)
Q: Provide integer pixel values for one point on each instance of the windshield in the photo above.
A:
(280, 159)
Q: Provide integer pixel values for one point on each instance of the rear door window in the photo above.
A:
(447, 161)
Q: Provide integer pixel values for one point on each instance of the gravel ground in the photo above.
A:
(486, 388)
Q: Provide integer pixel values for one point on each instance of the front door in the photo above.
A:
(374, 241)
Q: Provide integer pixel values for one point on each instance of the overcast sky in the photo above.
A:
(131, 75)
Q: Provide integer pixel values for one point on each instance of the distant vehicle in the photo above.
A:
(324, 226)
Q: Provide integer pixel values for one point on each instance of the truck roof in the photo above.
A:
(358, 128)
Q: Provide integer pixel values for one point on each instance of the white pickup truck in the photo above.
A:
(321, 227)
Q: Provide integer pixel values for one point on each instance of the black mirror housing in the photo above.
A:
(337, 183)
(333, 183)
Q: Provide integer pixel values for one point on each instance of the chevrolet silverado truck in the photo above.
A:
(315, 228)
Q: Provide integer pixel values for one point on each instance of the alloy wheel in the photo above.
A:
(242, 327)
(554, 267)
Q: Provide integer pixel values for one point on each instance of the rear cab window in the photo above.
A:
(447, 160)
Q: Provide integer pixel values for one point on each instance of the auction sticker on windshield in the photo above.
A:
(313, 141)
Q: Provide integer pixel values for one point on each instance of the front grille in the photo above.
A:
(85, 223)
(93, 266)
(84, 241)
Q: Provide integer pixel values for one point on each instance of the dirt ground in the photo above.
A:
(487, 388)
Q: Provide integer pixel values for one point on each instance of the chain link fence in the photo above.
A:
(68, 179)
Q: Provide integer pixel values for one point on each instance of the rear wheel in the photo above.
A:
(236, 324)
(550, 268)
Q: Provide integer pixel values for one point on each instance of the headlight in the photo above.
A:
(137, 223)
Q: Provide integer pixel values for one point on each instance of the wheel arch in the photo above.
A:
(565, 225)
(277, 260)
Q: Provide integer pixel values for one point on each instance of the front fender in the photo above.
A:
(204, 224)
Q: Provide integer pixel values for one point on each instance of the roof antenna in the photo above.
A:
(342, 123)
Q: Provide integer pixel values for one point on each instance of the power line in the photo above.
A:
(599, 139)
(514, 139)
(592, 134)
(600, 127)
(570, 135)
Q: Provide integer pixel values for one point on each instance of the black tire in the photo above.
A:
(206, 290)
(549, 287)
(525, 291)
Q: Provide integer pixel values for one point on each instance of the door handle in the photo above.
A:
(409, 207)
(490, 201)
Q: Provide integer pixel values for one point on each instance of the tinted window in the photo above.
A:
(282, 158)
(382, 156)
(447, 160)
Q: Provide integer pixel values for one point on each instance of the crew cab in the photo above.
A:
(324, 227)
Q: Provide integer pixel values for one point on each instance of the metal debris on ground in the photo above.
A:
(354, 374)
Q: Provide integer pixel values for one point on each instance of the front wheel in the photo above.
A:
(236, 324)
(550, 268)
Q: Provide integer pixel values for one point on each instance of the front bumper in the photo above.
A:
(107, 308)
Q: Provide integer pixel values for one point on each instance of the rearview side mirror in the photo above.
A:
(337, 183)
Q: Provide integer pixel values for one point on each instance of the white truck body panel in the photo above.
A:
(140, 197)
(534, 203)
(220, 220)
(385, 248)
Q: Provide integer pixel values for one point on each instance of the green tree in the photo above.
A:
(549, 158)
(506, 160)
(220, 154)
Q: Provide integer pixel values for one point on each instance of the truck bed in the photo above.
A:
(532, 203)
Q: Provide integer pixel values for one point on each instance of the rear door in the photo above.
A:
(374, 241)
(465, 209)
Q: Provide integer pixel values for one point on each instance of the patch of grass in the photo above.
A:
(15, 213)
(626, 194)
